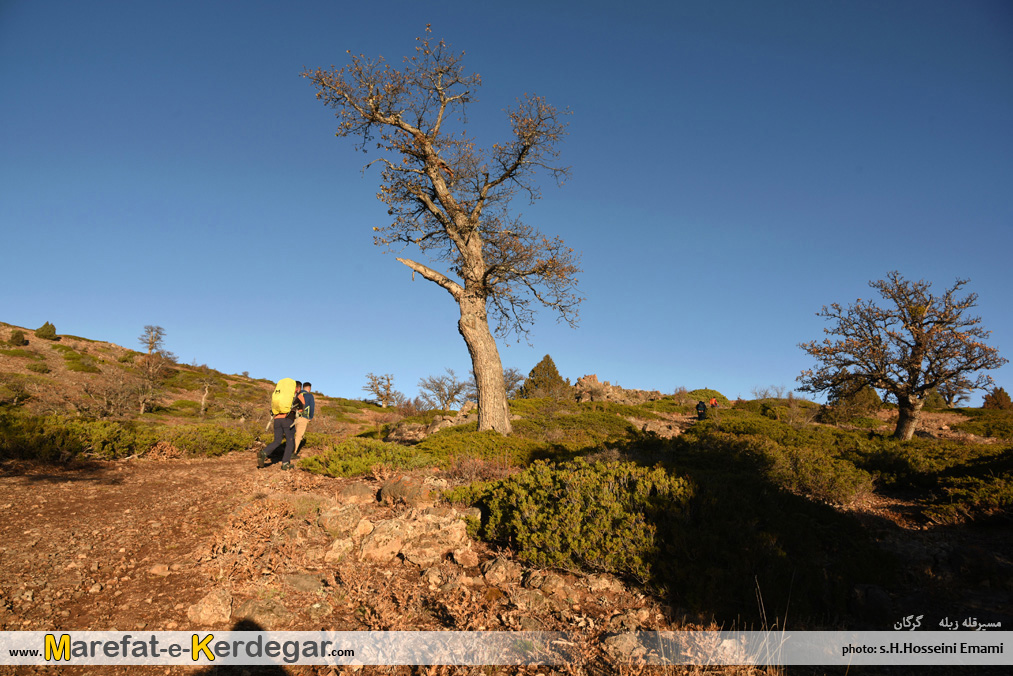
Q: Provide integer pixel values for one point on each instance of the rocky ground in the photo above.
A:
(206, 544)
(164, 543)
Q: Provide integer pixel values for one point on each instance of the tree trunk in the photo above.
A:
(203, 400)
(493, 412)
(909, 407)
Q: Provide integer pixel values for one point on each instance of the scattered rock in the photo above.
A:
(270, 614)
(356, 494)
(305, 582)
(404, 490)
(339, 549)
(364, 527)
(160, 569)
(501, 570)
(623, 647)
(466, 558)
(384, 543)
(554, 584)
(407, 433)
(215, 608)
(340, 520)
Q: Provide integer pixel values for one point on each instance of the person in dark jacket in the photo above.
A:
(701, 411)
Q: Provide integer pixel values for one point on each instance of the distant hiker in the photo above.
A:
(701, 411)
(284, 412)
(305, 414)
(714, 402)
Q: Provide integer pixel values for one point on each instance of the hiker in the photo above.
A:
(283, 409)
(701, 411)
(714, 402)
(304, 415)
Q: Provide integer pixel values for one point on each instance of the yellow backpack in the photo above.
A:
(284, 394)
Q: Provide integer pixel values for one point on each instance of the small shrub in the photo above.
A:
(38, 367)
(128, 357)
(17, 338)
(705, 395)
(185, 407)
(358, 457)
(613, 517)
(47, 332)
(996, 423)
(26, 354)
(208, 440)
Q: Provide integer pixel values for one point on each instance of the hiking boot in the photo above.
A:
(286, 465)
(261, 459)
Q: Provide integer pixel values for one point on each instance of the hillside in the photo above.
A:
(646, 518)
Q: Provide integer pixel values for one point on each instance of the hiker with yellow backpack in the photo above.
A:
(283, 409)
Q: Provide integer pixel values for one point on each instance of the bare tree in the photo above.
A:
(512, 381)
(381, 387)
(441, 392)
(451, 199)
(153, 368)
(956, 391)
(915, 344)
(152, 338)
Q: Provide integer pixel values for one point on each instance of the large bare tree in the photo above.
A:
(451, 199)
(918, 342)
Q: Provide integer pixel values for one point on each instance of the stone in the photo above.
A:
(338, 550)
(384, 543)
(364, 527)
(407, 433)
(623, 647)
(501, 570)
(599, 583)
(305, 582)
(340, 520)
(466, 558)
(404, 490)
(270, 614)
(555, 585)
(215, 608)
(320, 610)
(356, 494)
(529, 599)
(160, 569)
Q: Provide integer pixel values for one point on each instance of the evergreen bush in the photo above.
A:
(47, 332)
(613, 517)
(997, 399)
(544, 381)
(17, 338)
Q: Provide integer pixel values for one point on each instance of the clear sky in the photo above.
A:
(735, 166)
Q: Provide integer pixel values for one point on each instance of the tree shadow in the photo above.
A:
(245, 670)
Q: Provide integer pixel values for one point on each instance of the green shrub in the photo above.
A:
(17, 338)
(26, 354)
(81, 363)
(357, 457)
(128, 358)
(38, 367)
(185, 407)
(47, 332)
(614, 517)
(705, 395)
(207, 440)
(997, 423)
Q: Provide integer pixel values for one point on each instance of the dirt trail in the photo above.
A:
(106, 544)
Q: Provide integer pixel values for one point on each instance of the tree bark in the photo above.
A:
(493, 412)
(909, 408)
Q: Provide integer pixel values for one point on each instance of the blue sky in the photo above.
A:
(735, 166)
